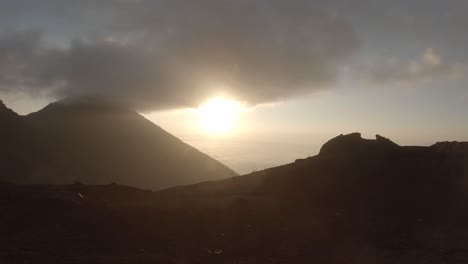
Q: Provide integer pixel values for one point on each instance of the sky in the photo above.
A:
(302, 71)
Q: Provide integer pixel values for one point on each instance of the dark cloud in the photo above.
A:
(23, 63)
(174, 53)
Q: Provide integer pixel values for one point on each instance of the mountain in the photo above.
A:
(98, 142)
(6, 113)
(358, 201)
(13, 138)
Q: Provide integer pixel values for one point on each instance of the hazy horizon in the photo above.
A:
(262, 147)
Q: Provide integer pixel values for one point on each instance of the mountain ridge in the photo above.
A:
(99, 142)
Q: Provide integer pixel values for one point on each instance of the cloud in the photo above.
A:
(23, 63)
(429, 65)
(173, 53)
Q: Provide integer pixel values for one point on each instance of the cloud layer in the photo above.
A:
(173, 53)
(429, 65)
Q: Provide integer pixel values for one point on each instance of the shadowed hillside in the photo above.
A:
(359, 201)
(98, 142)
(14, 160)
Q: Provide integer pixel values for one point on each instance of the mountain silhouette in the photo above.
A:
(96, 141)
(13, 139)
(357, 201)
(361, 200)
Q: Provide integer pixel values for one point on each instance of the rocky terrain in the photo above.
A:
(358, 201)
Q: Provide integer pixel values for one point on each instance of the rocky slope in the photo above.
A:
(98, 142)
(358, 201)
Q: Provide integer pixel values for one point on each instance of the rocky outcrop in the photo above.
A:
(354, 144)
(459, 148)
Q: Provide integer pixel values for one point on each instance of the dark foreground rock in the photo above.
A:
(358, 201)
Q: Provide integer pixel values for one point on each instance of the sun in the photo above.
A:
(218, 116)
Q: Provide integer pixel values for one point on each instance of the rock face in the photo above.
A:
(99, 142)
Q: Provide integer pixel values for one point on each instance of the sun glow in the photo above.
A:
(218, 116)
